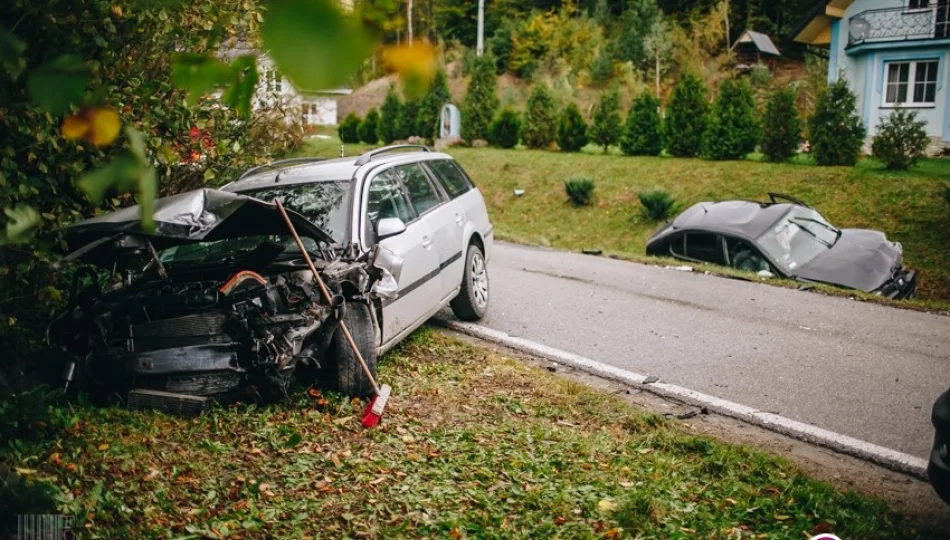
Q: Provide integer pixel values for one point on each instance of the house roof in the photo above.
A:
(815, 28)
(761, 42)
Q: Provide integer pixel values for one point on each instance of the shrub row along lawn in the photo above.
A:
(473, 445)
(908, 206)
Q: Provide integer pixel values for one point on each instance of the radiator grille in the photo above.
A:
(198, 329)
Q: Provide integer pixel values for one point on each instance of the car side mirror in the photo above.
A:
(388, 227)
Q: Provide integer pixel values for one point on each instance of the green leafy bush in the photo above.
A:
(539, 127)
(732, 130)
(686, 117)
(657, 203)
(901, 140)
(427, 119)
(835, 131)
(605, 124)
(481, 99)
(505, 129)
(390, 117)
(781, 128)
(580, 191)
(643, 132)
(368, 129)
(349, 129)
(501, 46)
(571, 129)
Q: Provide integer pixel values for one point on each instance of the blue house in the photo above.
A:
(892, 53)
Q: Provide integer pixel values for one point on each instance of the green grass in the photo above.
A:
(473, 445)
(908, 206)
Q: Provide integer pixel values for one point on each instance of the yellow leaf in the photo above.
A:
(75, 127)
(106, 125)
(103, 447)
(607, 505)
(117, 11)
(416, 64)
(24, 472)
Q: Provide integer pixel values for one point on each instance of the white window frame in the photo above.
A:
(273, 81)
(911, 83)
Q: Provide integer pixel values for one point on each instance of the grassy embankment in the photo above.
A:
(908, 206)
(474, 445)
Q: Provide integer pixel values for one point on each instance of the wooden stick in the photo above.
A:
(326, 295)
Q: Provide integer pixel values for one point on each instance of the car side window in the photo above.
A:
(704, 247)
(421, 193)
(386, 200)
(451, 177)
(742, 256)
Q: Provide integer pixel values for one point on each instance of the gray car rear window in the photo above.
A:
(451, 176)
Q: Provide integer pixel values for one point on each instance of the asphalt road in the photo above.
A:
(863, 370)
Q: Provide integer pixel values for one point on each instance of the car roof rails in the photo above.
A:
(366, 157)
(277, 164)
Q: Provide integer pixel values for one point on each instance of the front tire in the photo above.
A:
(345, 371)
(471, 304)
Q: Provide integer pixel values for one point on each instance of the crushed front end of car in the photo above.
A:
(242, 321)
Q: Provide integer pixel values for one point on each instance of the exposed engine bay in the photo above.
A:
(242, 325)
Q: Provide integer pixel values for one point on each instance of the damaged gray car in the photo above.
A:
(217, 301)
(786, 237)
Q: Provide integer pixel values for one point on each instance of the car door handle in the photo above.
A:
(458, 219)
(426, 242)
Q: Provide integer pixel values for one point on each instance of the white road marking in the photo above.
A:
(886, 457)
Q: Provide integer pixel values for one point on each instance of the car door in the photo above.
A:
(445, 219)
(418, 285)
(699, 247)
(468, 210)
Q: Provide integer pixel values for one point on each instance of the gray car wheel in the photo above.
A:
(471, 304)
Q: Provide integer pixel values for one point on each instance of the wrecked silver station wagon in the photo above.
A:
(215, 302)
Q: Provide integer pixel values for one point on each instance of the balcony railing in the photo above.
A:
(898, 24)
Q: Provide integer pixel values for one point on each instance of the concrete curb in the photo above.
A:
(879, 455)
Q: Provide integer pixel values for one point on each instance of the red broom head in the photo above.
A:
(374, 411)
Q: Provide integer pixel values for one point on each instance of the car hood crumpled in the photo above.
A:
(860, 259)
(194, 216)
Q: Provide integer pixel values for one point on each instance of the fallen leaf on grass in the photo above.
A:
(336, 461)
(560, 521)
(152, 474)
(607, 505)
(455, 534)
(24, 472)
(614, 533)
(103, 447)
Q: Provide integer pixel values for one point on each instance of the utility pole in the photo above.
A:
(480, 46)
(409, 18)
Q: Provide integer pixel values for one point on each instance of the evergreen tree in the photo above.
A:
(781, 129)
(505, 129)
(407, 120)
(368, 127)
(571, 129)
(602, 69)
(643, 132)
(501, 44)
(635, 24)
(430, 108)
(539, 127)
(605, 124)
(732, 131)
(349, 129)
(835, 131)
(686, 117)
(481, 99)
(390, 116)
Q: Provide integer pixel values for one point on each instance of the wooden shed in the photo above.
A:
(753, 47)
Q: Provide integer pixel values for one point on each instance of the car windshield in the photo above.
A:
(798, 237)
(325, 204)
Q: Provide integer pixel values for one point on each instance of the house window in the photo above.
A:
(918, 4)
(911, 83)
(273, 81)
